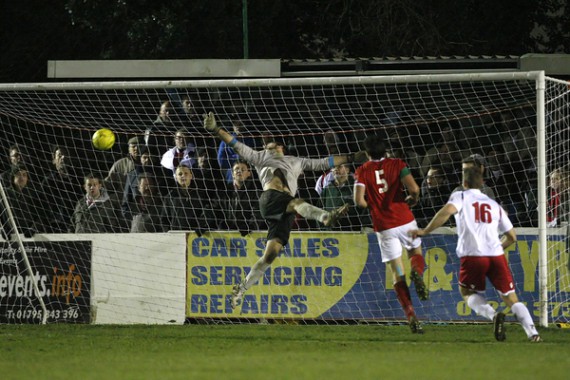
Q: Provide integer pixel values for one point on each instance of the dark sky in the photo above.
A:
(33, 32)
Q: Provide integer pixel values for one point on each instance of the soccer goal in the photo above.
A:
(64, 259)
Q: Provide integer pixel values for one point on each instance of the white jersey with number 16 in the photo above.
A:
(479, 221)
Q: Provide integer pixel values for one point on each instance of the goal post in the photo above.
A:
(542, 202)
(27, 272)
(516, 120)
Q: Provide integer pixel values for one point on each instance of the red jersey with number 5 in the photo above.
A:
(385, 192)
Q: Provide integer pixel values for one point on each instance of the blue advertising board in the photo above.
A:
(341, 276)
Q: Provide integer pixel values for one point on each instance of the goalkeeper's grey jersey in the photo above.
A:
(292, 167)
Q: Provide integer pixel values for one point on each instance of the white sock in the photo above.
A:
(255, 274)
(479, 304)
(523, 316)
(311, 212)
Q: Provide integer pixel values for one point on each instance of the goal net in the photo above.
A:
(122, 235)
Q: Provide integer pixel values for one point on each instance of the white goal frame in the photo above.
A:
(537, 76)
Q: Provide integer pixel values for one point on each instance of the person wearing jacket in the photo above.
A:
(94, 212)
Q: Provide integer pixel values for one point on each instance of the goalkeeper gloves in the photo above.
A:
(358, 157)
(210, 124)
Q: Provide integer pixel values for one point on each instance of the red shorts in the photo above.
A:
(474, 270)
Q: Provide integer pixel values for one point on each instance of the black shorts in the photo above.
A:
(273, 207)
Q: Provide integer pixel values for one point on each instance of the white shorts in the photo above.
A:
(392, 240)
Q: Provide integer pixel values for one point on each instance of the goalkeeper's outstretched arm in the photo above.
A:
(356, 158)
(212, 127)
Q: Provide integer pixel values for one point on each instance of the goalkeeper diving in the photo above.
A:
(278, 174)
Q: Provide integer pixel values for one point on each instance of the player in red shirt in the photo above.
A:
(379, 186)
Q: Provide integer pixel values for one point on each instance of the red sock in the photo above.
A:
(418, 264)
(403, 293)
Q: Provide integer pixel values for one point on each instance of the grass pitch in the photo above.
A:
(279, 352)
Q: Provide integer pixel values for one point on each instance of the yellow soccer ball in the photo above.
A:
(103, 139)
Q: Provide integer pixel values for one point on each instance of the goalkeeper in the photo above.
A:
(278, 174)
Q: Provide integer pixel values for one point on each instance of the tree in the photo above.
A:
(424, 28)
(551, 34)
(35, 31)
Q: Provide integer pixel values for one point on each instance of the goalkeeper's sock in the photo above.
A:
(418, 263)
(523, 316)
(255, 273)
(403, 294)
(479, 304)
(311, 212)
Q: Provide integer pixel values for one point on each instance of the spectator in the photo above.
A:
(529, 191)
(513, 189)
(186, 206)
(339, 192)
(15, 158)
(208, 174)
(478, 161)
(146, 166)
(60, 189)
(495, 170)
(23, 199)
(146, 208)
(323, 181)
(400, 146)
(558, 208)
(446, 151)
(189, 110)
(435, 192)
(332, 142)
(156, 135)
(226, 155)
(182, 112)
(183, 150)
(479, 132)
(95, 213)
(116, 179)
(519, 137)
(242, 210)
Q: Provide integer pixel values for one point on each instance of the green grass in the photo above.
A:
(279, 352)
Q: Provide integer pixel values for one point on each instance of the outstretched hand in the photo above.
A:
(210, 123)
(360, 157)
(411, 200)
(416, 233)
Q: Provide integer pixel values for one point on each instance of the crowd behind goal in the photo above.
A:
(174, 178)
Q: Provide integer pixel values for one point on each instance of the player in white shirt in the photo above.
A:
(479, 221)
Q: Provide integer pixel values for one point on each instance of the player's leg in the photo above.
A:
(478, 303)
(502, 279)
(273, 206)
(391, 250)
(418, 265)
(417, 261)
(272, 249)
(472, 283)
(403, 294)
(523, 316)
(309, 211)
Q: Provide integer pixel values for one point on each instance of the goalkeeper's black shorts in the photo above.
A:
(273, 207)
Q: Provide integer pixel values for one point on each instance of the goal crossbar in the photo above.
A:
(542, 164)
